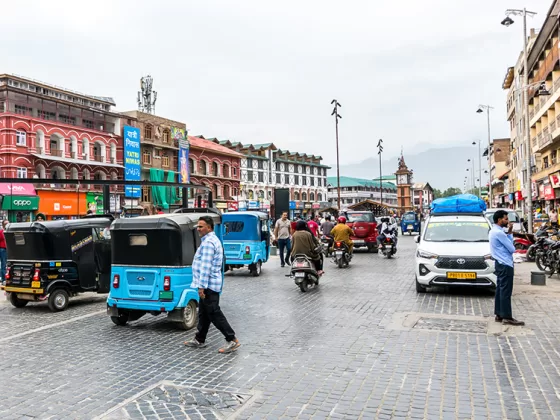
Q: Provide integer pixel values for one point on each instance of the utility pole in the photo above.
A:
(379, 151)
(337, 116)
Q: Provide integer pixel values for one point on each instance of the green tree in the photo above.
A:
(451, 191)
(437, 193)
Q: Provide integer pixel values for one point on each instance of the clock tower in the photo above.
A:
(404, 187)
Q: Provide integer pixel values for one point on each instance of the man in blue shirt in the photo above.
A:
(207, 278)
(502, 249)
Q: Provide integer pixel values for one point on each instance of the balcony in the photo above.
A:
(40, 150)
(57, 152)
(99, 158)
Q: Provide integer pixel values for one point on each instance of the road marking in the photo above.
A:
(48, 327)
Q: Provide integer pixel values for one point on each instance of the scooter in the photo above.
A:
(388, 247)
(304, 273)
(342, 254)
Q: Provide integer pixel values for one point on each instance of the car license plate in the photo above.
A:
(17, 273)
(247, 257)
(461, 276)
(358, 242)
(409, 227)
(300, 274)
(164, 295)
(339, 253)
(35, 284)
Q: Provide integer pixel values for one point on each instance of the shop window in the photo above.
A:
(21, 138)
(21, 172)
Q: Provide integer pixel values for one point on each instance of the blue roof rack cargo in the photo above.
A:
(462, 204)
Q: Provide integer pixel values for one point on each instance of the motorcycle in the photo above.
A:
(342, 254)
(327, 243)
(304, 273)
(388, 247)
(542, 242)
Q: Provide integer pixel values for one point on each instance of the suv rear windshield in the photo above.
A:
(457, 231)
(512, 216)
(360, 217)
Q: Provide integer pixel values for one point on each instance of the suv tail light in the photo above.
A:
(116, 281)
(36, 275)
(167, 283)
(247, 250)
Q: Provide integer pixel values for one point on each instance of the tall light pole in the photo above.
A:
(480, 110)
(472, 174)
(528, 186)
(337, 116)
(479, 169)
(379, 151)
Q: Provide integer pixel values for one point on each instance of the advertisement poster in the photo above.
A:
(548, 192)
(131, 137)
(183, 161)
(555, 180)
(94, 203)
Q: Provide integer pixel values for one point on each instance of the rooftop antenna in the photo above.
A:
(146, 96)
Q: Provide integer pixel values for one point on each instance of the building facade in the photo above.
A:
(500, 155)
(404, 187)
(218, 167)
(56, 133)
(422, 196)
(356, 190)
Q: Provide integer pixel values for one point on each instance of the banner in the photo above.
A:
(94, 203)
(548, 192)
(555, 180)
(132, 170)
(183, 161)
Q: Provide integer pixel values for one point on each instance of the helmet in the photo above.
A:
(342, 219)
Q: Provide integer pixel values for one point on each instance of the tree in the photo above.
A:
(451, 191)
(437, 193)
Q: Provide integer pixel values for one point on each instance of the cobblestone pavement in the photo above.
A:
(361, 345)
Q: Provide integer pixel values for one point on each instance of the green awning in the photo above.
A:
(20, 202)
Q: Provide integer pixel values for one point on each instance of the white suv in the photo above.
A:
(453, 250)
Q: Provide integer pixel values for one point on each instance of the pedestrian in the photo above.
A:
(207, 278)
(502, 249)
(553, 215)
(40, 217)
(313, 227)
(282, 232)
(3, 254)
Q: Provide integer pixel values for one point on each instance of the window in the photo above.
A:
(226, 192)
(45, 115)
(225, 171)
(312, 197)
(304, 180)
(216, 191)
(277, 166)
(137, 240)
(260, 164)
(147, 194)
(146, 157)
(299, 169)
(304, 196)
(234, 171)
(19, 238)
(214, 169)
(191, 166)
(312, 183)
(87, 124)
(165, 161)
(21, 172)
(278, 178)
(67, 119)
(23, 110)
(545, 162)
(166, 136)
(249, 163)
(148, 131)
(203, 167)
(296, 179)
(234, 227)
(261, 176)
(553, 157)
(21, 138)
(250, 176)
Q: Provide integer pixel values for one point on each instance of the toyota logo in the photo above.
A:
(22, 202)
(461, 261)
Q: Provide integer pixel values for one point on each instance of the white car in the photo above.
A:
(512, 216)
(453, 250)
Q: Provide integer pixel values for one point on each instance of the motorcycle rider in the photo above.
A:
(304, 242)
(387, 230)
(327, 226)
(342, 233)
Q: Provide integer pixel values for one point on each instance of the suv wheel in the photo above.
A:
(419, 287)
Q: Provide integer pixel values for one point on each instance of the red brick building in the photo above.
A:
(50, 132)
(216, 166)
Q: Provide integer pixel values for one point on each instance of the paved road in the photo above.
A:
(362, 345)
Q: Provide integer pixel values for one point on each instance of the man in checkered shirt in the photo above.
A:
(207, 278)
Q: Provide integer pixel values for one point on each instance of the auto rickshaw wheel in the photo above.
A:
(256, 269)
(58, 300)
(17, 302)
(121, 320)
(189, 316)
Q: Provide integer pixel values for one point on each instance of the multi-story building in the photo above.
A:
(216, 166)
(500, 155)
(422, 196)
(264, 168)
(56, 133)
(158, 151)
(356, 190)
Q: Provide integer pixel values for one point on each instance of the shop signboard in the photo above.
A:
(17, 189)
(555, 180)
(548, 192)
(20, 202)
(541, 191)
(518, 196)
(62, 203)
(292, 205)
(232, 206)
(253, 205)
(242, 205)
(307, 205)
(132, 170)
(266, 204)
(114, 203)
(94, 203)
(316, 206)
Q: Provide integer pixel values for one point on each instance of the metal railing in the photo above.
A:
(57, 152)
(98, 158)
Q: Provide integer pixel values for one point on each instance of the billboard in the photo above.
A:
(131, 137)
(183, 162)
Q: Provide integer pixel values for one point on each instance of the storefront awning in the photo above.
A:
(17, 189)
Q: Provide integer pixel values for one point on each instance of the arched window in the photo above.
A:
(296, 195)
(261, 194)
(40, 142)
(304, 196)
(225, 171)
(216, 191)
(319, 197)
(312, 197)
(113, 153)
(226, 192)
(203, 167)
(148, 131)
(73, 173)
(21, 138)
(215, 169)
(191, 166)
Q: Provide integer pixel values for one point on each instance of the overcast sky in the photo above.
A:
(410, 72)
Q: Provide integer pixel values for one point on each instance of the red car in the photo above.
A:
(365, 227)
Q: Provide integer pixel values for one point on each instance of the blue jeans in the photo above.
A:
(504, 288)
(3, 261)
(285, 244)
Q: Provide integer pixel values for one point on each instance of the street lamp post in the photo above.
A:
(529, 199)
(379, 151)
(479, 169)
(472, 175)
(480, 110)
(337, 116)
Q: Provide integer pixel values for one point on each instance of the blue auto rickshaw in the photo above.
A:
(246, 240)
(152, 266)
(410, 222)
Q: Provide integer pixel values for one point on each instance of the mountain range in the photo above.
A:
(440, 167)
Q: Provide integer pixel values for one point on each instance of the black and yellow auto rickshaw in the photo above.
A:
(55, 260)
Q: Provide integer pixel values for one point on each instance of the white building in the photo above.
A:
(422, 195)
(356, 190)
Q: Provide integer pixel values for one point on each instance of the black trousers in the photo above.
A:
(209, 312)
(504, 289)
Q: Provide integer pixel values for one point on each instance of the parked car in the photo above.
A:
(513, 217)
(365, 227)
(453, 250)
